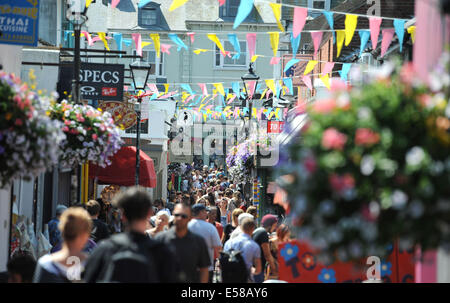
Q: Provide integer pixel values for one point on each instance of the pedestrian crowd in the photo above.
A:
(207, 232)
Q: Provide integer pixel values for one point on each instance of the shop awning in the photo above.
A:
(123, 168)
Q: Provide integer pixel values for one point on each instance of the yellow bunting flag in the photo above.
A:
(350, 26)
(276, 8)
(229, 96)
(155, 38)
(263, 95)
(213, 38)
(326, 80)
(412, 32)
(277, 113)
(255, 57)
(102, 36)
(274, 41)
(219, 88)
(310, 66)
(340, 41)
(271, 84)
(176, 4)
(166, 86)
(200, 107)
(144, 44)
(200, 50)
(88, 2)
(254, 112)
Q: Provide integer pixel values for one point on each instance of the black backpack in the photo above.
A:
(131, 262)
(233, 267)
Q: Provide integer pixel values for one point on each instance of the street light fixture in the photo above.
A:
(139, 73)
(248, 78)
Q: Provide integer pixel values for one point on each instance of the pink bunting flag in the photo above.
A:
(236, 112)
(203, 88)
(268, 93)
(307, 81)
(125, 87)
(168, 95)
(328, 68)
(259, 113)
(138, 42)
(275, 60)
(251, 88)
(300, 14)
(88, 38)
(191, 35)
(114, 3)
(317, 38)
(222, 2)
(231, 99)
(153, 87)
(165, 48)
(95, 39)
(374, 24)
(388, 34)
(251, 43)
(189, 98)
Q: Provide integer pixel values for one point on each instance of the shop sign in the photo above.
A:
(19, 22)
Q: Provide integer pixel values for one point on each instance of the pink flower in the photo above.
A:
(338, 85)
(18, 122)
(94, 137)
(407, 73)
(324, 106)
(65, 129)
(367, 214)
(425, 100)
(80, 118)
(74, 131)
(367, 137)
(333, 139)
(340, 183)
(67, 122)
(310, 164)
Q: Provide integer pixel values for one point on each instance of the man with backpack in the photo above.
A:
(241, 258)
(132, 257)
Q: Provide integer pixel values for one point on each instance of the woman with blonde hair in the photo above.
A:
(66, 265)
(229, 228)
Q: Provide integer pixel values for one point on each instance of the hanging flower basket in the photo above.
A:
(91, 134)
(373, 166)
(29, 139)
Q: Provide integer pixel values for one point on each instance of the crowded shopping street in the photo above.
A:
(247, 142)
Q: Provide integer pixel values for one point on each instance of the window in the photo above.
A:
(157, 64)
(220, 61)
(228, 11)
(319, 4)
(149, 17)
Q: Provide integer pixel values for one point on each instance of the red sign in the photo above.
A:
(109, 91)
(298, 264)
(275, 127)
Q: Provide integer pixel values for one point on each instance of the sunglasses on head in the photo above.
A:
(184, 216)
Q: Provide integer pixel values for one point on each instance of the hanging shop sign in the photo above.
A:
(98, 81)
(19, 22)
(122, 114)
(275, 127)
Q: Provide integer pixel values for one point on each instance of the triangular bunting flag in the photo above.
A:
(219, 88)
(198, 51)
(203, 88)
(374, 24)
(364, 36)
(412, 32)
(307, 81)
(102, 37)
(388, 34)
(271, 84)
(399, 26)
(350, 26)
(300, 14)
(165, 48)
(274, 41)
(251, 44)
(176, 4)
(155, 38)
(275, 60)
(316, 38)
(329, 16)
(244, 9)
(213, 38)
(177, 41)
(114, 3)
(326, 81)
(328, 68)
(276, 9)
(340, 36)
(310, 66)
(290, 63)
(295, 42)
(138, 43)
(236, 45)
(344, 72)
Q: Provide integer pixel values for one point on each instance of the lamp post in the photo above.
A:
(249, 77)
(76, 13)
(139, 73)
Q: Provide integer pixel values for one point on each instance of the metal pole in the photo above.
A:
(76, 65)
(138, 133)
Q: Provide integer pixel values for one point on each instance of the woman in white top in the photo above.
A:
(161, 222)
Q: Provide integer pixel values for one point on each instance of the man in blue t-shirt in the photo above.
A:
(53, 230)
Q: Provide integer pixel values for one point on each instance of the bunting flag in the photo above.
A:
(203, 88)
(316, 38)
(340, 36)
(399, 26)
(274, 41)
(364, 36)
(145, 43)
(66, 33)
(251, 43)
(90, 42)
(350, 25)
(263, 93)
(143, 3)
(165, 48)
(328, 68)
(88, 2)
(155, 38)
(138, 43)
(222, 2)
(254, 57)
(300, 14)
(102, 37)
(295, 43)
(329, 16)
(200, 50)
(275, 60)
(310, 66)
(244, 9)
(236, 45)
(412, 32)
(388, 34)
(251, 88)
(374, 25)
(191, 35)
(176, 4)
(219, 88)
(326, 81)
(290, 63)
(307, 81)
(114, 3)
(344, 72)
(235, 88)
(127, 42)
(276, 9)
(213, 38)
(271, 84)
(187, 88)
(288, 83)
(177, 41)
(166, 86)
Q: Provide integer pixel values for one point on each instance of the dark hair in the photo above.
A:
(212, 199)
(135, 203)
(22, 264)
(158, 202)
(218, 213)
(228, 193)
(186, 199)
(93, 207)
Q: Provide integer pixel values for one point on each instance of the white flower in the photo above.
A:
(415, 156)
(364, 113)
(367, 165)
(399, 199)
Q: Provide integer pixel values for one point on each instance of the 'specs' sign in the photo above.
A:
(298, 264)
(19, 22)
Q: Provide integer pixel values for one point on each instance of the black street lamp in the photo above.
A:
(140, 71)
(76, 13)
(249, 77)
